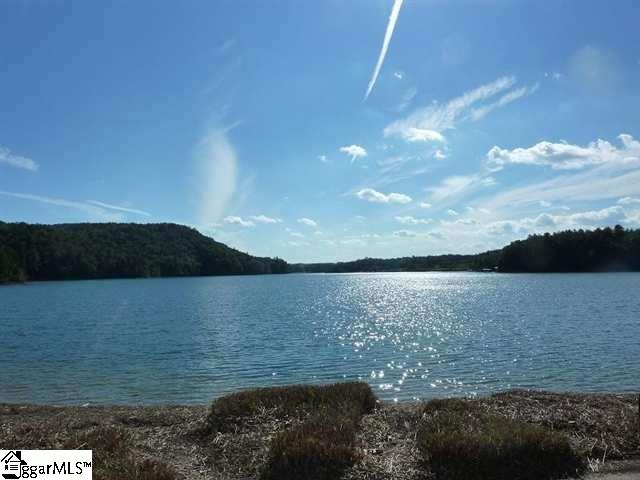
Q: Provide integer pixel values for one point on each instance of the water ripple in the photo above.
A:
(410, 335)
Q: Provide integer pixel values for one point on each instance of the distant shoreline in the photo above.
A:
(31, 282)
(119, 250)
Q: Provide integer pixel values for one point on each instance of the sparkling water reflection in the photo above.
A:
(410, 335)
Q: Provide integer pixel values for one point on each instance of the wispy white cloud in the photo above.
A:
(553, 75)
(293, 233)
(546, 222)
(354, 151)
(371, 195)
(265, 219)
(453, 187)
(409, 220)
(119, 208)
(233, 220)
(94, 211)
(404, 233)
(564, 156)
(422, 135)
(308, 222)
(467, 107)
(512, 96)
(217, 165)
(425, 205)
(393, 18)
(607, 172)
(323, 158)
(407, 98)
(601, 183)
(629, 201)
(439, 155)
(16, 161)
(452, 213)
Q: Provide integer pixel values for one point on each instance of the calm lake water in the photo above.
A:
(411, 335)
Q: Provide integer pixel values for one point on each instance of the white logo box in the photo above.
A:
(46, 464)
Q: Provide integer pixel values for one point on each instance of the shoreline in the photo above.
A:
(604, 425)
(381, 402)
(287, 274)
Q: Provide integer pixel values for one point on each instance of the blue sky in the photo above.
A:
(488, 120)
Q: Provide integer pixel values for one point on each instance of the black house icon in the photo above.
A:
(12, 462)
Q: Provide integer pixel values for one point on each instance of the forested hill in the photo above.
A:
(110, 250)
(604, 249)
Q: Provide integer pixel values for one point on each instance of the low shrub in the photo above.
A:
(294, 400)
(319, 443)
(113, 458)
(318, 449)
(459, 441)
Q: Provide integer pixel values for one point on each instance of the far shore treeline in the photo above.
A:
(126, 250)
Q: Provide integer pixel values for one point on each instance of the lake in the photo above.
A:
(410, 335)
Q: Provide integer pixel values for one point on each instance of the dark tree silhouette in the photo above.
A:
(487, 260)
(603, 249)
(108, 250)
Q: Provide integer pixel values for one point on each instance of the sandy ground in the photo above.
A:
(603, 425)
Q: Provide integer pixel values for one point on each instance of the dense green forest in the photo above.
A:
(109, 250)
(603, 249)
(570, 251)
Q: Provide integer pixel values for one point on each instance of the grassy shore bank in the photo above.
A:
(341, 431)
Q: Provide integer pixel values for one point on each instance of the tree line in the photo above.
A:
(110, 250)
(603, 249)
(121, 250)
(481, 261)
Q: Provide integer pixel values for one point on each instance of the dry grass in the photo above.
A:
(117, 452)
(114, 458)
(460, 441)
(385, 440)
(113, 454)
(298, 428)
(599, 425)
(318, 426)
(288, 401)
(318, 449)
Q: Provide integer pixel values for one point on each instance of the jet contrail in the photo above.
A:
(393, 18)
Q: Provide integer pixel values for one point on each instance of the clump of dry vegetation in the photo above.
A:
(460, 441)
(114, 459)
(599, 425)
(321, 448)
(317, 440)
(113, 455)
(289, 401)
